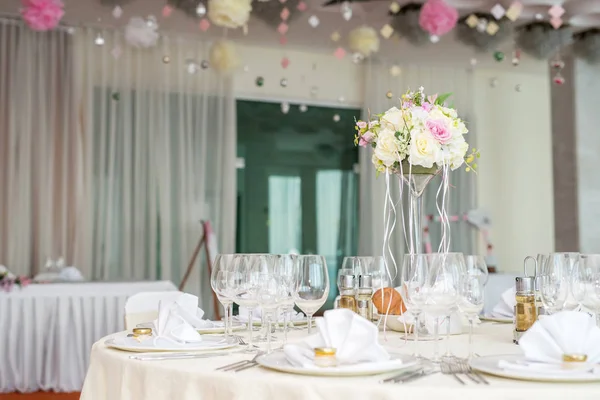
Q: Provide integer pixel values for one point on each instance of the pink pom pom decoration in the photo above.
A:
(42, 15)
(437, 18)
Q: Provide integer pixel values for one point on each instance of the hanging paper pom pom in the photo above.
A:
(223, 57)
(141, 33)
(363, 40)
(42, 15)
(437, 18)
(229, 13)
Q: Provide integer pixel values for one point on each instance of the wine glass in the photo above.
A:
(221, 282)
(440, 292)
(312, 285)
(589, 272)
(414, 273)
(287, 270)
(471, 298)
(246, 288)
(269, 295)
(555, 281)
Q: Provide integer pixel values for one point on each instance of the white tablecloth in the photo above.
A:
(113, 376)
(47, 330)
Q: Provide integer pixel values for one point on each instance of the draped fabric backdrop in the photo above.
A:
(378, 81)
(112, 161)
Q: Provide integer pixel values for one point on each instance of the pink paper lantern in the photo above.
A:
(437, 18)
(42, 15)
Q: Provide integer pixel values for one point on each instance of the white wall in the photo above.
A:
(587, 122)
(514, 135)
(515, 177)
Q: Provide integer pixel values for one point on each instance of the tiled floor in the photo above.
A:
(40, 396)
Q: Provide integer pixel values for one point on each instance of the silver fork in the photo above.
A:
(239, 364)
(463, 365)
(447, 370)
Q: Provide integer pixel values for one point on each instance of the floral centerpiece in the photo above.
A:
(8, 279)
(423, 132)
(418, 141)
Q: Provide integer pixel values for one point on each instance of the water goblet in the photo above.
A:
(555, 281)
(471, 301)
(222, 283)
(312, 285)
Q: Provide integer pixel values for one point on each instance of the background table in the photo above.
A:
(113, 376)
(47, 330)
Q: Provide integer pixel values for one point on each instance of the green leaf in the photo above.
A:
(442, 98)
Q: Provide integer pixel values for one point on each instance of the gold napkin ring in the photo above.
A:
(325, 357)
(142, 331)
(569, 358)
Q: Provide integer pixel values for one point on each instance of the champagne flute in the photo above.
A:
(414, 272)
(246, 288)
(312, 286)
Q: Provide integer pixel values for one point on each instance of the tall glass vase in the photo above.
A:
(417, 180)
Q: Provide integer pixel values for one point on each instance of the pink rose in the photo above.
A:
(439, 130)
(427, 106)
(361, 124)
(366, 138)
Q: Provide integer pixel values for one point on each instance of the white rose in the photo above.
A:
(454, 152)
(229, 13)
(393, 119)
(424, 150)
(387, 148)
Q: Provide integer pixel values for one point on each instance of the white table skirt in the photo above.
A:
(113, 376)
(46, 331)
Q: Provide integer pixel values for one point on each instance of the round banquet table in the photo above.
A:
(113, 376)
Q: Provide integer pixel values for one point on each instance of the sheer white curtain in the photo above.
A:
(158, 155)
(38, 147)
(111, 162)
(378, 81)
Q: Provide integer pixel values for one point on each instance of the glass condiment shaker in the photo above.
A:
(365, 293)
(525, 309)
(347, 292)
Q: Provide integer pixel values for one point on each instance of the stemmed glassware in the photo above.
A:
(414, 273)
(222, 282)
(472, 292)
(555, 281)
(434, 286)
(588, 284)
(247, 287)
(312, 285)
(287, 270)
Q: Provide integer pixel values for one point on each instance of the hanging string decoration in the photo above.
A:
(142, 33)
(229, 13)
(42, 15)
(406, 22)
(363, 40)
(587, 45)
(482, 32)
(541, 40)
(437, 18)
(223, 57)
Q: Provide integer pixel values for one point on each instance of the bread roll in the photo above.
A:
(388, 300)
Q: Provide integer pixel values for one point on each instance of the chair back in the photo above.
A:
(143, 307)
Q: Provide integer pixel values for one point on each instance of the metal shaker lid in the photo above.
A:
(365, 281)
(347, 282)
(525, 283)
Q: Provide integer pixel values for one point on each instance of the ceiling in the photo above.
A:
(582, 14)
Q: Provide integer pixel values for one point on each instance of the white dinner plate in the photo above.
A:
(208, 343)
(257, 322)
(502, 320)
(489, 365)
(397, 326)
(277, 361)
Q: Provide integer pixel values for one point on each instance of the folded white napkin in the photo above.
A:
(178, 320)
(506, 307)
(551, 337)
(353, 337)
(243, 314)
(71, 274)
(4, 270)
(64, 274)
(427, 323)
